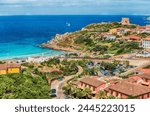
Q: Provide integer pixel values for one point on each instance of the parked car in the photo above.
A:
(60, 78)
(53, 93)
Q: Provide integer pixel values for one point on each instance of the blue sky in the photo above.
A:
(44, 7)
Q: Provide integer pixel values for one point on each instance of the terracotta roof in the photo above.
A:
(13, 65)
(5, 66)
(134, 37)
(92, 82)
(132, 80)
(141, 27)
(130, 89)
(145, 75)
(147, 38)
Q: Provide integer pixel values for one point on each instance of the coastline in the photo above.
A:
(58, 48)
(24, 57)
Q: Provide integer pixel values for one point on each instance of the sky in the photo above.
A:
(74, 7)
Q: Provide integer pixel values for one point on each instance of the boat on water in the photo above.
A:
(68, 24)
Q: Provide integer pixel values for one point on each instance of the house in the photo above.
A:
(37, 59)
(119, 31)
(125, 90)
(146, 29)
(9, 68)
(141, 77)
(109, 37)
(144, 53)
(144, 74)
(3, 69)
(93, 83)
(146, 42)
(125, 21)
(130, 38)
(135, 38)
(113, 31)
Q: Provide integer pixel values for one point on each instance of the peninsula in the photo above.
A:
(102, 39)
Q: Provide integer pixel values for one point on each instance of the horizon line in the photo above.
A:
(72, 14)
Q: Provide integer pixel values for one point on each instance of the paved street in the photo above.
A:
(59, 84)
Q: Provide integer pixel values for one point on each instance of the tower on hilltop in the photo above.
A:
(125, 21)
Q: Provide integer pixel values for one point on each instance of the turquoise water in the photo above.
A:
(21, 35)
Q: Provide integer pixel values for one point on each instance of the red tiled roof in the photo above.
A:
(130, 89)
(92, 82)
(141, 27)
(13, 65)
(147, 38)
(5, 66)
(134, 37)
(145, 75)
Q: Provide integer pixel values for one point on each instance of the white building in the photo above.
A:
(145, 53)
(37, 59)
(146, 42)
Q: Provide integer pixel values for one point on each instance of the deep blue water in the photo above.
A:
(21, 35)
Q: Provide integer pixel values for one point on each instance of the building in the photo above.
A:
(146, 42)
(144, 53)
(37, 59)
(126, 90)
(119, 31)
(144, 74)
(108, 37)
(9, 68)
(135, 38)
(94, 84)
(125, 21)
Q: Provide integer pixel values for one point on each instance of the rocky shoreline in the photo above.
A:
(55, 47)
(52, 44)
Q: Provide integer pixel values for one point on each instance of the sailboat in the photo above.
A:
(68, 24)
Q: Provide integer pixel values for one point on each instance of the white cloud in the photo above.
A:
(79, 6)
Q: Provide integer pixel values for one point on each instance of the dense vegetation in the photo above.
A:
(20, 86)
(90, 40)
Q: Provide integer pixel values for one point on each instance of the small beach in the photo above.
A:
(20, 36)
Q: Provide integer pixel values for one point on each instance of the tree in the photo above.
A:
(111, 97)
(20, 86)
(87, 93)
(101, 95)
(67, 89)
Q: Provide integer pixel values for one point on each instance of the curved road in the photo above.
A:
(59, 85)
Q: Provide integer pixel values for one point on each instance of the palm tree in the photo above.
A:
(79, 93)
(87, 93)
(67, 89)
(101, 95)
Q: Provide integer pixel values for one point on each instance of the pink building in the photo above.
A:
(94, 84)
(144, 74)
(126, 90)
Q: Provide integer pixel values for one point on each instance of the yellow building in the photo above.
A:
(113, 31)
(9, 69)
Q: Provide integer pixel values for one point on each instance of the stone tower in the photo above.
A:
(125, 21)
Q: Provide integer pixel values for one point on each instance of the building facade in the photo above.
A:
(94, 84)
(126, 90)
(146, 42)
(9, 68)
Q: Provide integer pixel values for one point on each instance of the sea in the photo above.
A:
(20, 36)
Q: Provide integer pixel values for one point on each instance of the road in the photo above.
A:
(58, 85)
